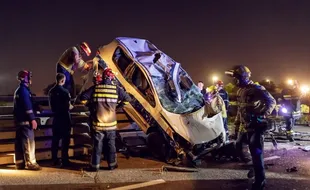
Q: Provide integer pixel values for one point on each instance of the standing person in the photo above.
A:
(59, 100)
(70, 61)
(255, 104)
(219, 85)
(25, 122)
(291, 102)
(201, 87)
(102, 99)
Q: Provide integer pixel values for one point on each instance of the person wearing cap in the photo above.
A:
(70, 61)
(25, 123)
(255, 104)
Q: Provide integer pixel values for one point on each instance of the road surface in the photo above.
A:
(212, 174)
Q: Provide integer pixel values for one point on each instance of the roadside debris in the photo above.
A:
(250, 174)
(293, 169)
(305, 148)
(178, 169)
(141, 185)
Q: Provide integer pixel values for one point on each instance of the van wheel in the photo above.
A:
(158, 145)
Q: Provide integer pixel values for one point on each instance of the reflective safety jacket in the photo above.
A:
(254, 102)
(218, 99)
(225, 97)
(102, 100)
(68, 62)
(23, 111)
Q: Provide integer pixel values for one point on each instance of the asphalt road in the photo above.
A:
(212, 174)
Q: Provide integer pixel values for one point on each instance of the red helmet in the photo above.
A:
(108, 73)
(220, 83)
(97, 78)
(24, 76)
(85, 47)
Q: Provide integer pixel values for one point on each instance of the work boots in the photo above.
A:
(35, 167)
(113, 167)
(290, 135)
(259, 185)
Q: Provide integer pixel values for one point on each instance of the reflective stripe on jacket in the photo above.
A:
(102, 102)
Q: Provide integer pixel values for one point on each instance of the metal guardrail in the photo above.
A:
(80, 142)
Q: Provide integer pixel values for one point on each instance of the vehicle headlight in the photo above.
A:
(284, 110)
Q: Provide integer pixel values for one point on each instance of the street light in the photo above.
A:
(267, 80)
(290, 82)
(214, 78)
(304, 89)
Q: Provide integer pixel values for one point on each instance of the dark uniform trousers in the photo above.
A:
(255, 139)
(256, 146)
(61, 131)
(242, 148)
(290, 122)
(225, 122)
(104, 141)
(24, 146)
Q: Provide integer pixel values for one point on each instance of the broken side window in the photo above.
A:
(121, 59)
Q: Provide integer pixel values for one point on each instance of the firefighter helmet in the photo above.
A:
(97, 77)
(219, 83)
(239, 71)
(108, 73)
(85, 48)
(241, 75)
(24, 76)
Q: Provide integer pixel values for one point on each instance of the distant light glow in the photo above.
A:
(267, 80)
(290, 82)
(215, 78)
(304, 89)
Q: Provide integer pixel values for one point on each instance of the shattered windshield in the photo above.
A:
(176, 91)
(192, 98)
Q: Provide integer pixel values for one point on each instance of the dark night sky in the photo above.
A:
(271, 37)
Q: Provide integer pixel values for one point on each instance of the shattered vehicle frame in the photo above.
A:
(166, 105)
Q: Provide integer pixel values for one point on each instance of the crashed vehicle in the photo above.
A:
(166, 104)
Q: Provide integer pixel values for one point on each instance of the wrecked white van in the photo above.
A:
(166, 104)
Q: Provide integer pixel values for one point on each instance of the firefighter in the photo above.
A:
(219, 85)
(25, 122)
(102, 99)
(254, 105)
(291, 102)
(70, 61)
(59, 100)
(218, 94)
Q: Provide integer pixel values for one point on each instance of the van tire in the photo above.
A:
(157, 145)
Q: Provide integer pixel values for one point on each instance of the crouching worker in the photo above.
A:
(102, 99)
(25, 123)
(70, 61)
